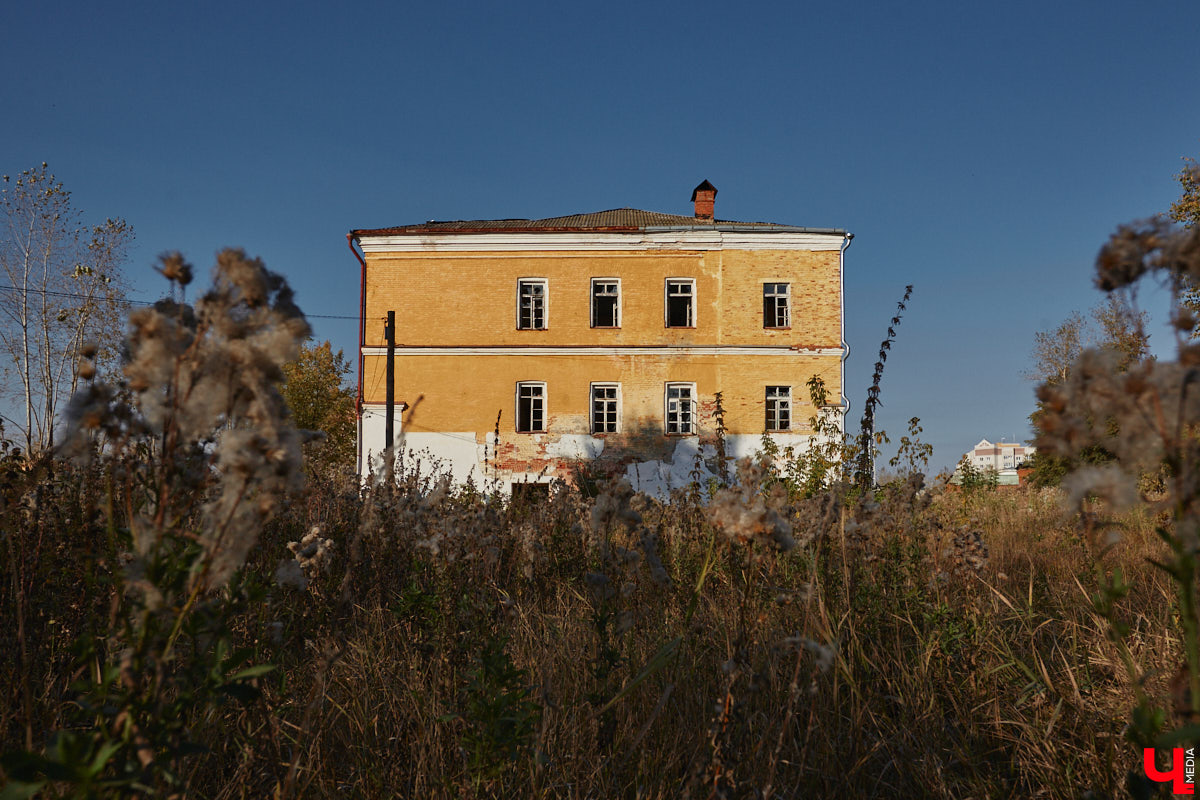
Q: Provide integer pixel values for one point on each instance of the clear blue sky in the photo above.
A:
(980, 151)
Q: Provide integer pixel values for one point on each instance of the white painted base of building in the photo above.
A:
(464, 456)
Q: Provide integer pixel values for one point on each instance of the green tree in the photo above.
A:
(972, 479)
(319, 400)
(1186, 210)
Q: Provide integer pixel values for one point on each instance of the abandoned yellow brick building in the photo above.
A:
(602, 336)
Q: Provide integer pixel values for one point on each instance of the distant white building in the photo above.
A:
(1000, 456)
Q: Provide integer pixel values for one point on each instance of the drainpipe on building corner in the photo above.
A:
(362, 324)
(845, 401)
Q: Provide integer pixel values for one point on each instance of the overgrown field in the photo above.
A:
(186, 616)
(941, 644)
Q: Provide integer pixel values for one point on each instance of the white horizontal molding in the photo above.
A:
(665, 240)
(664, 350)
(400, 406)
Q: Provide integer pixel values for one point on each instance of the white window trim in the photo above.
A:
(667, 408)
(592, 301)
(667, 303)
(788, 295)
(766, 403)
(592, 399)
(517, 406)
(545, 304)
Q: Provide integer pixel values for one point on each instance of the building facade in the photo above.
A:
(523, 347)
(999, 456)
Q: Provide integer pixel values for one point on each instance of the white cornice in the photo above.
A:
(599, 241)
(664, 350)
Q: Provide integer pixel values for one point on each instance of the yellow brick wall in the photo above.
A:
(465, 392)
(815, 297)
(455, 299)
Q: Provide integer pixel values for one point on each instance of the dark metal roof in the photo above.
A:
(615, 220)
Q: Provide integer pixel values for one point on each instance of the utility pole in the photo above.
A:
(389, 333)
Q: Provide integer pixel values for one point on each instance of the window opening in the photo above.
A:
(606, 303)
(531, 305)
(779, 408)
(680, 309)
(531, 407)
(604, 408)
(681, 408)
(529, 494)
(776, 311)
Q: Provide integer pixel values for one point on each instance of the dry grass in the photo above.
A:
(903, 641)
(455, 647)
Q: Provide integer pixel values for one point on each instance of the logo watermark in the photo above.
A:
(1182, 774)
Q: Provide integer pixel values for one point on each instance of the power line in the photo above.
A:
(411, 424)
(126, 301)
(72, 294)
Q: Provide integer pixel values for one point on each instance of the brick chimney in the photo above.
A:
(705, 197)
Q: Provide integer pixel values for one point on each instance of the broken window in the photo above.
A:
(531, 407)
(606, 303)
(531, 305)
(680, 303)
(604, 407)
(681, 408)
(779, 408)
(776, 311)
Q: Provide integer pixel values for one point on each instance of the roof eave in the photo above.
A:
(720, 227)
(738, 228)
(423, 231)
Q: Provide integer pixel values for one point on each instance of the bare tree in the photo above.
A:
(1115, 324)
(1055, 351)
(62, 292)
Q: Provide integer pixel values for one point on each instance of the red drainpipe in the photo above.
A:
(362, 326)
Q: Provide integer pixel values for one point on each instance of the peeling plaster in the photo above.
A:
(658, 478)
(574, 446)
(653, 464)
